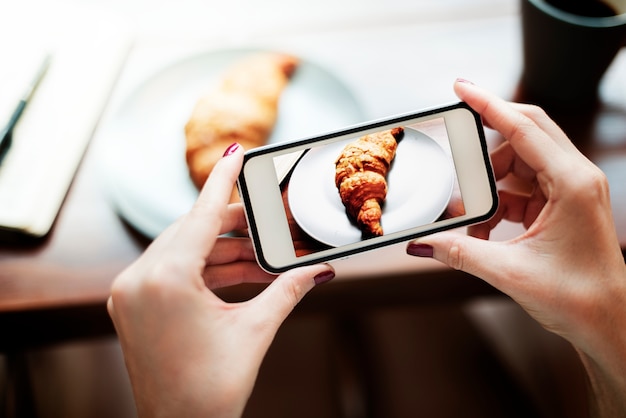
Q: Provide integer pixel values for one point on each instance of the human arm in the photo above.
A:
(189, 353)
(567, 269)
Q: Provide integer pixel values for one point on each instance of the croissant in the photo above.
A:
(242, 108)
(360, 176)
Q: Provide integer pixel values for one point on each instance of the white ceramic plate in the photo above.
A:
(419, 187)
(143, 156)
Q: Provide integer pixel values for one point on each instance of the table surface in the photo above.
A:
(401, 58)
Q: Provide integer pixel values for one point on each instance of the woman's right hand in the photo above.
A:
(567, 269)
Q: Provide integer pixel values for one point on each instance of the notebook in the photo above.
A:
(51, 136)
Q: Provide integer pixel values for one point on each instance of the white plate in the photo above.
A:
(419, 185)
(143, 156)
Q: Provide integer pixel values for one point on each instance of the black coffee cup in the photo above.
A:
(567, 47)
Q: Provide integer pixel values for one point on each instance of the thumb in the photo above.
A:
(488, 260)
(277, 301)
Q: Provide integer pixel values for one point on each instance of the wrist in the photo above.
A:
(606, 388)
(603, 352)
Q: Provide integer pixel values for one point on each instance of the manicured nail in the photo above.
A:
(462, 80)
(420, 250)
(323, 277)
(231, 149)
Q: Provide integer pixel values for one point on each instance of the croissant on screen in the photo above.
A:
(242, 108)
(360, 176)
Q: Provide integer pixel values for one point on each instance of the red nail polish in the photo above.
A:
(231, 149)
(420, 250)
(323, 277)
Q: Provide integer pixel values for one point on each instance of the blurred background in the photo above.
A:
(385, 345)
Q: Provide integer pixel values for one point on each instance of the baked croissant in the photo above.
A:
(360, 176)
(242, 108)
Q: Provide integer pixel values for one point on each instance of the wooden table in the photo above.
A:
(57, 289)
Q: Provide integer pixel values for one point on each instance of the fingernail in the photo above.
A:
(231, 149)
(420, 250)
(462, 80)
(323, 277)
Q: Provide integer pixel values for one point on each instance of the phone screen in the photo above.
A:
(332, 198)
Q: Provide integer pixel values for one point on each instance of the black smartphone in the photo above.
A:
(367, 186)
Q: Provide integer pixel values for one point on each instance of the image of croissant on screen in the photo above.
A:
(242, 108)
(360, 176)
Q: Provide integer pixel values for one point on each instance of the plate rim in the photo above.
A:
(148, 225)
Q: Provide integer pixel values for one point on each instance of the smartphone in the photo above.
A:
(367, 186)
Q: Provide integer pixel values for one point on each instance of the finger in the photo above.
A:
(201, 226)
(153, 254)
(529, 141)
(231, 249)
(513, 207)
(488, 260)
(505, 160)
(161, 242)
(232, 274)
(235, 219)
(283, 294)
(111, 309)
(544, 122)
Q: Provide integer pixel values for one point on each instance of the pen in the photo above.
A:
(7, 131)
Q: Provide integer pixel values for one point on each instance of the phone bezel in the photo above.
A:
(262, 200)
